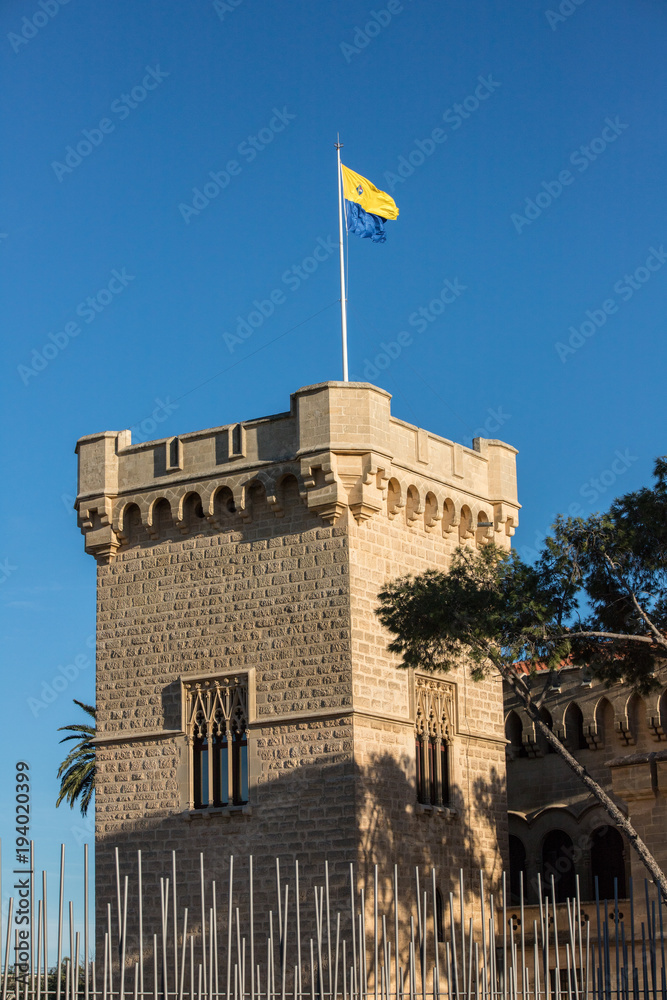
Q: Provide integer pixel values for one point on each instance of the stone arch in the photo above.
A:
(431, 511)
(635, 716)
(395, 498)
(190, 515)
(608, 862)
(222, 505)
(257, 497)
(413, 505)
(483, 534)
(604, 721)
(514, 733)
(558, 862)
(542, 742)
(573, 723)
(160, 517)
(288, 493)
(450, 518)
(129, 523)
(466, 523)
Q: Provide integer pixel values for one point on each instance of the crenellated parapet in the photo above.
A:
(338, 441)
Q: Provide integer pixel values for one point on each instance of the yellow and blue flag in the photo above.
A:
(366, 207)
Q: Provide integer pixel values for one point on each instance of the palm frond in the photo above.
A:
(77, 771)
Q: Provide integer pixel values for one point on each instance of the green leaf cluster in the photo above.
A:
(77, 771)
(597, 595)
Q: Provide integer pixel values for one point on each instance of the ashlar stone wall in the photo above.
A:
(258, 550)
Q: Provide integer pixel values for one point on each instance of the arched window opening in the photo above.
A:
(517, 865)
(193, 513)
(636, 716)
(557, 861)
(543, 743)
(484, 528)
(604, 719)
(608, 862)
(413, 506)
(224, 505)
(430, 511)
(162, 520)
(465, 524)
(432, 736)
(514, 733)
(132, 527)
(289, 496)
(393, 498)
(574, 727)
(448, 516)
(216, 718)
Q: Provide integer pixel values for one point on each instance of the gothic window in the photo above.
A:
(433, 731)
(608, 862)
(514, 733)
(574, 727)
(216, 717)
(557, 862)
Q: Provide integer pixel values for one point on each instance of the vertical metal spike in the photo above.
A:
(140, 912)
(436, 946)
(463, 931)
(396, 969)
(203, 921)
(375, 931)
(335, 987)
(106, 965)
(326, 887)
(297, 904)
(354, 932)
(174, 919)
(216, 969)
(252, 932)
(283, 957)
(181, 978)
(229, 926)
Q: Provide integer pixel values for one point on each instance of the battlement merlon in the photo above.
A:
(341, 443)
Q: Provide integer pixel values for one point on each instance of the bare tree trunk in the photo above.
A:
(522, 690)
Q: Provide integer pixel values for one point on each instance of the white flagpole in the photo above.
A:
(343, 303)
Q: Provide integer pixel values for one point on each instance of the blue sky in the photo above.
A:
(540, 197)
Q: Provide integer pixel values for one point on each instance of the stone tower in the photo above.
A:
(246, 700)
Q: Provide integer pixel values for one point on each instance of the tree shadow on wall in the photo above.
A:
(335, 811)
(457, 842)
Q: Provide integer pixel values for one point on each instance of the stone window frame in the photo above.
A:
(225, 699)
(434, 714)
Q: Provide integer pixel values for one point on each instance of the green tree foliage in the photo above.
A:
(597, 595)
(77, 771)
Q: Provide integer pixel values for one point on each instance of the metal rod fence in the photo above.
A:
(483, 946)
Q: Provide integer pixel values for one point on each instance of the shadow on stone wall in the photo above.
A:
(337, 812)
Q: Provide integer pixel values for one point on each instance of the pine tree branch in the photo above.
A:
(660, 638)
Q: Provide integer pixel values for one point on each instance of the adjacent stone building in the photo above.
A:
(555, 826)
(246, 700)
